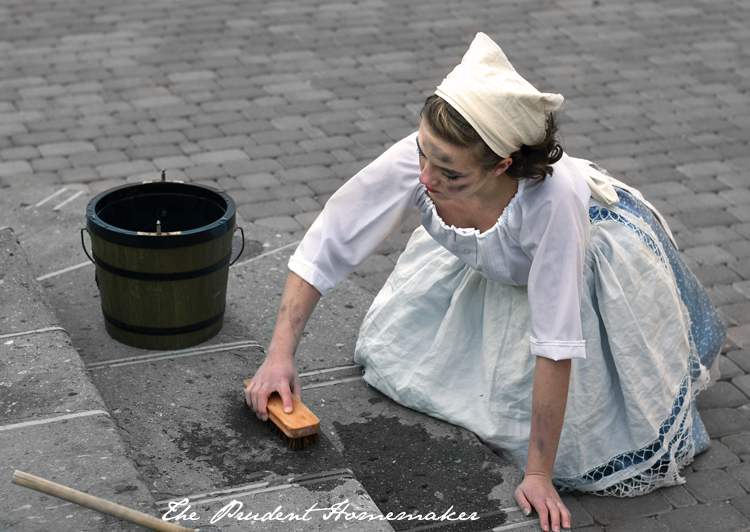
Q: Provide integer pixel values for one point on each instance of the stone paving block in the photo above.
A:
(292, 148)
(204, 171)
(742, 504)
(701, 201)
(737, 314)
(97, 158)
(100, 186)
(741, 473)
(741, 358)
(15, 168)
(251, 196)
(728, 369)
(172, 124)
(226, 143)
(712, 485)
(736, 196)
(200, 133)
(735, 180)
(710, 254)
(305, 174)
(742, 229)
(722, 422)
(708, 217)
(742, 267)
(175, 161)
(246, 127)
(678, 496)
(292, 191)
(216, 119)
(125, 168)
(23, 152)
(50, 164)
(716, 517)
(642, 524)
(579, 517)
(725, 295)
(306, 219)
(742, 383)
(270, 209)
(743, 287)
(739, 335)
(165, 137)
(60, 124)
(608, 510)
(718, 456)
(306, 159)
(78, 175)
(719, 235)
(740, 212)
(280, 223)
(89, 133)
(711, 275)
(219, 157)
(261, 180)
(721, 395)
(229, 184)
(308, 204)
(277, 137)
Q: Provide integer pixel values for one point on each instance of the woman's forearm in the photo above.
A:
(550, 395)
(298, 300)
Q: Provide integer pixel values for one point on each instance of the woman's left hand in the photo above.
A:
(537, 492)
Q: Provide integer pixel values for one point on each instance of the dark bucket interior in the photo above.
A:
(177, 206)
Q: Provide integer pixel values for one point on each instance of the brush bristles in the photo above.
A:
(293, 443)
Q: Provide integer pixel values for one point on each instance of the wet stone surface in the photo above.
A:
(405, 469)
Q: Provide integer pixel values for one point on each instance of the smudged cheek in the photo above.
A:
(457, 189)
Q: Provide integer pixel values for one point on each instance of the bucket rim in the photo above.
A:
(118, 235)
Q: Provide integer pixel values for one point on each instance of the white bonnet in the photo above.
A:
(505, 109)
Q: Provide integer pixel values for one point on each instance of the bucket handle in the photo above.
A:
(242, 248)
(83, 244)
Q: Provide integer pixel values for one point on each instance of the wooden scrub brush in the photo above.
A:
(298, 429)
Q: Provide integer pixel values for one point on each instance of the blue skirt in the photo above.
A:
(444, 340)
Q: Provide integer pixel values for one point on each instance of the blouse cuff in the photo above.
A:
(559, 350)
(311, 274)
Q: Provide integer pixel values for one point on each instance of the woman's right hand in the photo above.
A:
(276, 374)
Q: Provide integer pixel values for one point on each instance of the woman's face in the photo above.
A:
(449, 171)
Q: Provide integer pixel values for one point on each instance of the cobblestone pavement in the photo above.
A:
(279, 103)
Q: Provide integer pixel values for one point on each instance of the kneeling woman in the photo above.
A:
(526, 259)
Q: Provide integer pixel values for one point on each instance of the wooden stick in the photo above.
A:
(95, 503)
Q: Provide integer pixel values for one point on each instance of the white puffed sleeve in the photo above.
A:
(359, 217)
(553, 235)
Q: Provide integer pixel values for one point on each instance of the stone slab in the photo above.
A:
(23, 303)
(609, 510)
(719, 517)
(323, 502)
(84, 453)
(42, 376)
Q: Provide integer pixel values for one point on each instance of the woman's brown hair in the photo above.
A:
(529, 162)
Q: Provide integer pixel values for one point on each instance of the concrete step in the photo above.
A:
(54, 424)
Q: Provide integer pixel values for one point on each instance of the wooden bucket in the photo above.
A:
(162, 251)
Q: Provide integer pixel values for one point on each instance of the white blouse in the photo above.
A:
(538, 241)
